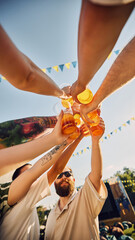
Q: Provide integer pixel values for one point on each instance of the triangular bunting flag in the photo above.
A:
(49, 69)
(44, 70)
(108, 135)
(128, 122)
(115, 130)
(87, 148)
(84, 149)
(117, 52)
(67, 65)
(109, 55)
(101, 140)
(119, 128)
(132, 118)
(56, 68)
(61, 67)
(74, 64)
(73, 155)
(111, 133)
(124, 124)
(81, 151)
(77, 153)
(105, 137)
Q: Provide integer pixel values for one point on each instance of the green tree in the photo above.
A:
(127, 177)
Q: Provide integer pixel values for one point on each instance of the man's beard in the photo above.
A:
(65, 190)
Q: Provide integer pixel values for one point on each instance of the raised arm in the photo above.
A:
(27, 151)
(96, 161)
(99, 29)
(121, 72)
(21, 72)
(58, 167)
(22, 183)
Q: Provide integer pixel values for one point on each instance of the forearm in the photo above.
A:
(26, 151)
(15, 132)
(122, 71)
(47, 161)
(96, 164)
(99, 29)
(58, 167)
(41, 83)
(21, 72)
(22, 183)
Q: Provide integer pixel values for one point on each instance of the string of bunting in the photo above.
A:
(61, 67)
(106, 137)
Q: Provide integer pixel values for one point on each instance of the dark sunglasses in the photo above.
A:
(66, 174)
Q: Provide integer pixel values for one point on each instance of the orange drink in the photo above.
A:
(67, 103)
(68, 123)
(77, 119)
(95, 117)
(85, 97)
(75, 134)
(84, 130)
(96, 130)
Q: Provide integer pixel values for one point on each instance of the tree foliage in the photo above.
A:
(127, 177)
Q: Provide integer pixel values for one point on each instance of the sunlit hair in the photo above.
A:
(18, 170)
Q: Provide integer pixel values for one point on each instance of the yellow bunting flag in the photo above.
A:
(84, 149)
(124, 124)
(115, 130)
(101, 140)
(4, 78)
(56, 68)
(44, 70)
(108, 135)
(109, 55)
(67, 65)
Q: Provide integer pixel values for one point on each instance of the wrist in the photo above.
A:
(81, 84)
(95, 140)
(60, 94)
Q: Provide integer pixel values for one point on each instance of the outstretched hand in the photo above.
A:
(102, 125)
(57, 131)
(76, 88)
(85, 109)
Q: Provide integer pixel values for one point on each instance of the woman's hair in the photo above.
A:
(18, 170)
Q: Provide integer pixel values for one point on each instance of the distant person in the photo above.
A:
(20, 221)
(100, 24)
(21, 72)
(75, 216)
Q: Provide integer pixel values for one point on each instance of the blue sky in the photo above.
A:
(46, 31)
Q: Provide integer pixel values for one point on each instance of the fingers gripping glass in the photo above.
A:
(66, 174)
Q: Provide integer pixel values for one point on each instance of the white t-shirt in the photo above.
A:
(78, 220)
(21, 221)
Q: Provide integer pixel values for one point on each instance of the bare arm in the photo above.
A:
(21, 72)
(121, 72)
(58, 167)
(96, 161)
(22, 183)
(99, 29)
(28, 151)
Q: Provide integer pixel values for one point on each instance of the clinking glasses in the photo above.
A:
(66, 174)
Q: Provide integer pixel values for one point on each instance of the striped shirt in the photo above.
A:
(4, 207)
